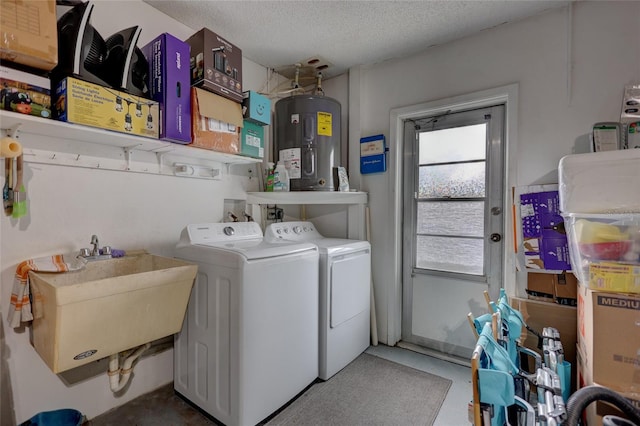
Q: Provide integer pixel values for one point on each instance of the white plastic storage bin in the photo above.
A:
(600, 182)
(605, 250)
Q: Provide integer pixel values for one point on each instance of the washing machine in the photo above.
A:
(249, 341)
(345, 292)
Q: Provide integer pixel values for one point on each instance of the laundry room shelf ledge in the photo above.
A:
(51, 135)
(307, 197)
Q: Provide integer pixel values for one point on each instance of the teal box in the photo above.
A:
(256, 108)
(252, 137)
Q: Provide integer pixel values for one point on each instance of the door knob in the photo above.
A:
(495, 237)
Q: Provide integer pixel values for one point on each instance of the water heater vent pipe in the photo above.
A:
(119, 377)
(319, 91)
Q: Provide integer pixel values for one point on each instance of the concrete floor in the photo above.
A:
(163, 407)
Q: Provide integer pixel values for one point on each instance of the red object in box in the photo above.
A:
(610, 250)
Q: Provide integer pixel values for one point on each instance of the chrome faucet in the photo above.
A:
(95, 253)
(94, 242)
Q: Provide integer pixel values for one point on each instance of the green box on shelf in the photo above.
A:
(252, 140)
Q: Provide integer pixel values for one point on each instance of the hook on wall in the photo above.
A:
(12, 132)
(9, 146)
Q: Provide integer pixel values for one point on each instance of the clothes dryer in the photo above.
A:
(345, 291)
(249, 341)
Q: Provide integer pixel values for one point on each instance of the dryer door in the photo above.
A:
(350, 278)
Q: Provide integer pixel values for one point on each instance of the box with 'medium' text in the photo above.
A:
(169, 84)
(609, 337)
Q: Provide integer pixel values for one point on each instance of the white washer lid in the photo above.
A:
(244, 238)
(205, 233)
(259, 249)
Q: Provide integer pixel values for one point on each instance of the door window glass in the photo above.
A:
(451, 200)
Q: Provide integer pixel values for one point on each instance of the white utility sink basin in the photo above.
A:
(109, 306)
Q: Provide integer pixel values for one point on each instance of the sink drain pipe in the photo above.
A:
(119, 377)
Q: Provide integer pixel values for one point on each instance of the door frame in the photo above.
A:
(507, 95)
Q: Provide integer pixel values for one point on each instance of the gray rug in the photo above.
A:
(369, 391)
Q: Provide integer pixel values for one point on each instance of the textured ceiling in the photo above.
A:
(279, 34)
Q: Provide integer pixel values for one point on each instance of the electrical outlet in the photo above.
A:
(271, 213)
(275, 213)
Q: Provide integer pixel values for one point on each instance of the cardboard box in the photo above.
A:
(170, 85)
(543, 234)
(565, 289)
(609, 337)
(256, 108)
(81, 102)
(216, 64)
(597, 410)
(538, 315)
(559, 288)
(25, 93)
(540, 286)
(252, 138)
(216, 122)
(29, 33)
(604, 409)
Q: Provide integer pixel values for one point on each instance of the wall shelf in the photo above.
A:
(68, 136)
(307, 197)
(355, 202)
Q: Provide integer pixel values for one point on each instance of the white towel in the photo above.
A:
(20, 309)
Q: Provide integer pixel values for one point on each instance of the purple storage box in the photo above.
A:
(554, 252)
(543, 232)
(170, 84)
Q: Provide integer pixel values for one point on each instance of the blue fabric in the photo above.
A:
(496, 388)
(495, 376)
(564, 372)
(480, 322)
(497, 357)
(513, 317)
(512, 323)
(504, 334)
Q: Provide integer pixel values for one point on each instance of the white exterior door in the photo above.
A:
(453, 225)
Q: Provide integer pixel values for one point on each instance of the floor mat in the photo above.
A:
(369, 391)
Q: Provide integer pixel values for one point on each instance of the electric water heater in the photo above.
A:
(307, 140)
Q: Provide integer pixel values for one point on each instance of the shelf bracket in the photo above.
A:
(12, 132)
(128, 153)
(160, 157)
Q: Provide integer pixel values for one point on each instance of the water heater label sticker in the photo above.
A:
(324, 124)
(295, 118)
(291, 159)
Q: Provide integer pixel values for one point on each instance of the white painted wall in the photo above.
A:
(126, 210)
(129, 211)
(602, 57)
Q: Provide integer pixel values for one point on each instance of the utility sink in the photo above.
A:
(108, 307)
